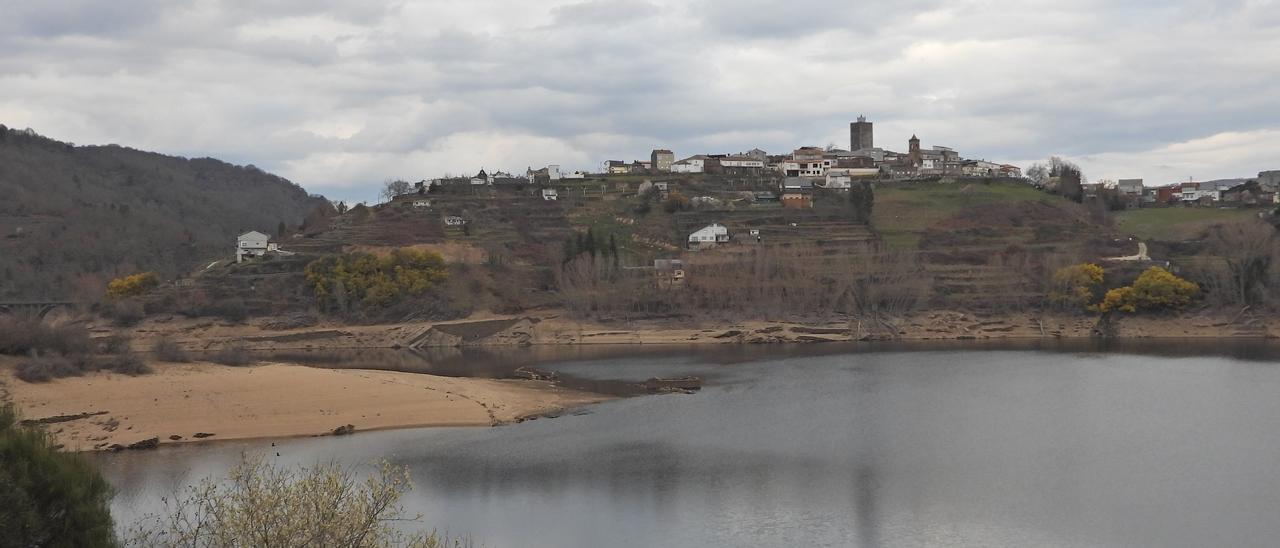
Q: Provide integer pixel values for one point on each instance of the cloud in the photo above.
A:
(339, 95)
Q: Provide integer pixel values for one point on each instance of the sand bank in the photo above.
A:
(273, 400)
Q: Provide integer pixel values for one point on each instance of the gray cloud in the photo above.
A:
(341, 95)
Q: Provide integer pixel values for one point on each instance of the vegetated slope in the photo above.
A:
(71, 218)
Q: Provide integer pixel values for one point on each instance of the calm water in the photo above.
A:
(821, 446)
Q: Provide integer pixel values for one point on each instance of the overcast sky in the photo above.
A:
(338, 96)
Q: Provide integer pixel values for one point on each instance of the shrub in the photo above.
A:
(125, 364)
(21, 336)
(675, 202)
(1076, 285)
(235, 354)
(132, 286)
(48, 497)
(117, 343)
(168, 350)
(124, 312)
(340, 281)
(260, 504)
(1155, 289)
(47, 369)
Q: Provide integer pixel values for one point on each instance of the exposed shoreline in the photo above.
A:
(100, 410)
(556, 329)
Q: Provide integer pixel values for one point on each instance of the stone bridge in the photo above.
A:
(37, 308)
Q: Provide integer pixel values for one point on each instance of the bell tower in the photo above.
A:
(860, 134)
(913, 151)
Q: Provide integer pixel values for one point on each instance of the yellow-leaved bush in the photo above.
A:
(1075, 285)
(373, 281)
(132, 286)
(1155, 289)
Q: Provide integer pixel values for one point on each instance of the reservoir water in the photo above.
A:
(1158, 445)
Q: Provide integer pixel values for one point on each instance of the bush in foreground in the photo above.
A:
(48, 498)
(260, 504)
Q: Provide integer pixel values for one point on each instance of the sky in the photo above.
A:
(339, 96)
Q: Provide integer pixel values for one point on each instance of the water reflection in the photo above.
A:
(812, 446)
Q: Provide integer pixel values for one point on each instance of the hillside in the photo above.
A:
(73, 217)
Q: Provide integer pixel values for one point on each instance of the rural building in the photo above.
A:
(615, 167)
(692, 164)
(661, 159)
(550, 194)
(843, 177)
(1131, 191)
(253, 244)
(709, 236)
(797, 201)
(420, 203)
(797, 184)
(454, 220)
(669, 272)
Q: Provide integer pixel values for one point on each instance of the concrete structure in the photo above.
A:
(709, 236)
(550, 194)
(454, 220)
(253, 244)
(861, 135)
(660, 160)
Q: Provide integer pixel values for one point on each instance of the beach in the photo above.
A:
(180, 403)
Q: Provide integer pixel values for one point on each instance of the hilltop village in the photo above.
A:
(868, 235)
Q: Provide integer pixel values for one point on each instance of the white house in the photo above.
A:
(574, 175)
(842, 177)
(709, 236)
(550, 194)
(692, 164)
(741, 162)
(804, 168)
(454, 220)
(421, 203)
(253, 244)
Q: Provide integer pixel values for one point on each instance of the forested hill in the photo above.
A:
(73, 217)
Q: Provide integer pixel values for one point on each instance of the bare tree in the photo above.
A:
(1248, 249)
(393, 188)
(259, 504)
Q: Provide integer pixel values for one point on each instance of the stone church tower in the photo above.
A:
(860, 134)
(913, 151)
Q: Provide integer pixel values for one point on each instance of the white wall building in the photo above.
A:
(710, 235)
(692, 164)
(253, 244)
(741, 162)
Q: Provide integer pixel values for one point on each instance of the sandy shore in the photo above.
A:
(273, 400)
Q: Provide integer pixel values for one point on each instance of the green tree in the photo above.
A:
(48, 497)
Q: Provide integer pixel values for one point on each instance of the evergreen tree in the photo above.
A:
(48, 497)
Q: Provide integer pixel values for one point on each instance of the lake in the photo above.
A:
(1043, 444)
